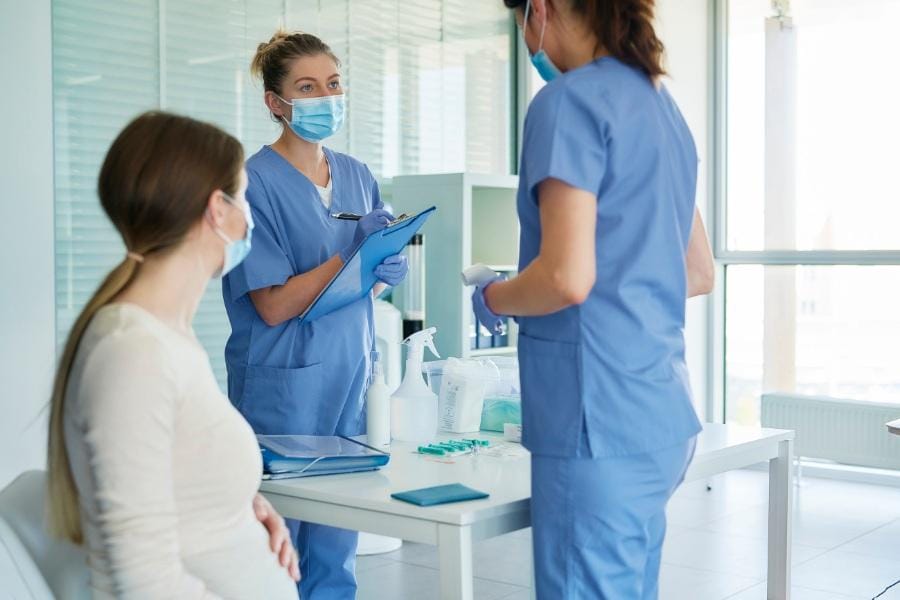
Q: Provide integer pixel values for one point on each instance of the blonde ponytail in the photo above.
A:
(62, 496)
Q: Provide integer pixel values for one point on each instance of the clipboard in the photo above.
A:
(357, 278)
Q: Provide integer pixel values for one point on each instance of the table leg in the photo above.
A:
(455, 550)
(533, 594)
(781, 507)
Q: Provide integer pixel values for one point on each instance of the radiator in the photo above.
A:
(844, 431)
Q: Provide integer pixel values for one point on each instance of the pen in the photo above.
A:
(346, 216)
(354, 217)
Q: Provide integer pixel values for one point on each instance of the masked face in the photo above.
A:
(235, 250)
(315, 119)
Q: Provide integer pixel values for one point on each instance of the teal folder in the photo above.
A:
(287, 456)
(441, 494)
(357, 277)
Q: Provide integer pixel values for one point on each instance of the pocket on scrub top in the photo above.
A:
(282, 401)
(552, 395)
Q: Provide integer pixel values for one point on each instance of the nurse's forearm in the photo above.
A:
(279, 303)
(701, 269)
(535, 292)
(564, 272)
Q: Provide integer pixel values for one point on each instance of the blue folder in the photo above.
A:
(286, 456)
(357, 278)
(440, 494)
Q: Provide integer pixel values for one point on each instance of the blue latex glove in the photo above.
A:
(376, 220)
(393, 270)
(492, 321)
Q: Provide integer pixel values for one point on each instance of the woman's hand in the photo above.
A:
(376, 220)
(492, 321)
(279, 536)
(393, 270)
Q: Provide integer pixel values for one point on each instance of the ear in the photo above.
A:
(274, 104)
(216, 209)
(539, 13)
(539, 10)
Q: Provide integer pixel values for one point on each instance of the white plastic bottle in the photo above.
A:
(378, 407)
(414, 407)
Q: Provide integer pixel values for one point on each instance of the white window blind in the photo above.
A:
(429, 90)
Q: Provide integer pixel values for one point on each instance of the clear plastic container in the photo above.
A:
(464, 384)
(508, 375)
(501, 402)
(434, 372)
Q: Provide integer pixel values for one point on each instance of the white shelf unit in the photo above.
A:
(475, 222)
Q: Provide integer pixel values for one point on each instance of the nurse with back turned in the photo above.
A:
(611, 247)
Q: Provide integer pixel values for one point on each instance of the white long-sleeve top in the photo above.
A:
(166, 468)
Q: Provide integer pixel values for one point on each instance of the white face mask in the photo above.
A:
(235, 250)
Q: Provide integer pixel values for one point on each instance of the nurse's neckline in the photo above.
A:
(326, 153)
(592, 62)
(329, 156)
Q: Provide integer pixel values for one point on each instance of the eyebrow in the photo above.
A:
(313, 79)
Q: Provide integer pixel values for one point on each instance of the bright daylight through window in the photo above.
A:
(811, 207)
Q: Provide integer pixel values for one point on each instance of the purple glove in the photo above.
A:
(376, 220)
(492, 321)
(393, 270)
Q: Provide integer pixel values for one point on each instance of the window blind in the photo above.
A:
(428, 83)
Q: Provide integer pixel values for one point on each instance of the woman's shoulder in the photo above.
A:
(260, 157)
(124, 349)
(126, 333)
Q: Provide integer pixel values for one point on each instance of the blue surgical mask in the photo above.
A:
(236, 250)
(315, 119)
(545, 67)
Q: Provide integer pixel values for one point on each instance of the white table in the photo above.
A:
(362, 501)
(894, 426)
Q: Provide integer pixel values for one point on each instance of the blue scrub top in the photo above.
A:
(608, 377)
(298, 378)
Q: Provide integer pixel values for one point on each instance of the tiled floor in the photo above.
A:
(846, 547)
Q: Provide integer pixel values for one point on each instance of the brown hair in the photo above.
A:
(154, 186)
(624, 28)
(272, 59)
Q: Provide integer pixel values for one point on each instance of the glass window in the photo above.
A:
(810, 202)
(812, 123)
(812, 330)
(428, 83)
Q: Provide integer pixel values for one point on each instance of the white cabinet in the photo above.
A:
(475, 222)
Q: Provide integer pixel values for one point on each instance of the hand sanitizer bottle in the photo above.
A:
(414, 407)
(378, 407)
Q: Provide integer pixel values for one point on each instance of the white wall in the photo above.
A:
(684, 29)
(27, 326)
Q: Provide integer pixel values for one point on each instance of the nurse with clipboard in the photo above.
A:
(286, 376)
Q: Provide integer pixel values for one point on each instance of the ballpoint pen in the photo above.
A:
(346, 216)
(343, 216)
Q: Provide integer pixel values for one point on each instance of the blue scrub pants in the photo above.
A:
(327, 561)
(599, 524)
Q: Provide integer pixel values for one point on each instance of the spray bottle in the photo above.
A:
(414, 407)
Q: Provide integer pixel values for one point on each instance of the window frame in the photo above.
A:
(724, 257)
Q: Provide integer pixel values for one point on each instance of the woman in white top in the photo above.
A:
(150, 466)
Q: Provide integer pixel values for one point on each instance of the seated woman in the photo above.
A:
(150, 466)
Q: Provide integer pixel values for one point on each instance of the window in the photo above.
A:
(429, 90)
(808, 201)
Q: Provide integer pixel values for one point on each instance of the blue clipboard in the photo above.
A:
(357, 278)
